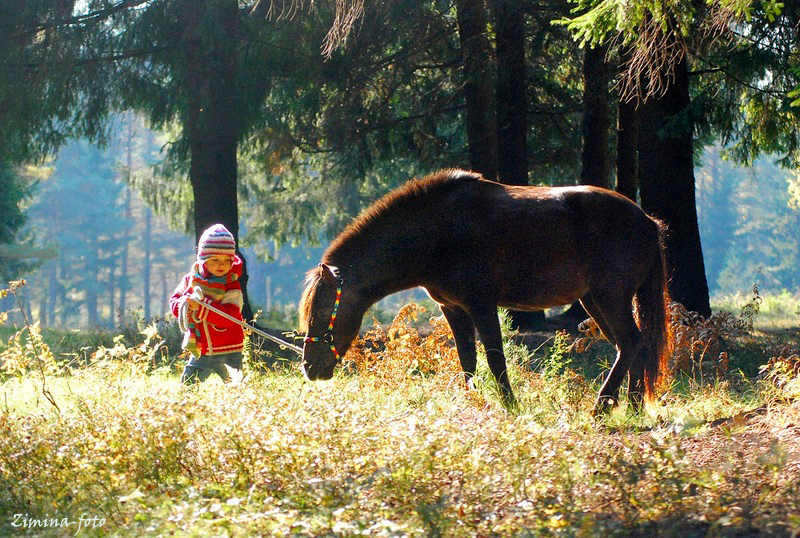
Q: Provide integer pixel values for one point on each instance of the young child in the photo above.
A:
(213, 340)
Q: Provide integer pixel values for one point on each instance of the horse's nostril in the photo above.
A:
(308, 372)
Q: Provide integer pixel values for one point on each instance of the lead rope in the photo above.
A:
(244, 325)
(328, 336)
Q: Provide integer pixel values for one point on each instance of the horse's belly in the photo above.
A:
(540, 291)
(538, 302)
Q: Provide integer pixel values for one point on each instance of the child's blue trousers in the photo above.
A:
(199, 368)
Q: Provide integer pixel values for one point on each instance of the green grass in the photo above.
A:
(774, 311)
(78, 344)
(425, 457)
(401, 449)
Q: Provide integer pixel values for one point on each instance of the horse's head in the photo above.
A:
(327, 336)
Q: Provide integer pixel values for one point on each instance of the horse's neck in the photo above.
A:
(376, 267)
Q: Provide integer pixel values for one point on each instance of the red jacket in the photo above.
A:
(213, 334)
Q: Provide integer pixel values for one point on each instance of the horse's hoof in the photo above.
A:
(635, 406)
(510, 402)
(604, 406)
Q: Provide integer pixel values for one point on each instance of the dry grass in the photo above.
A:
(395, 446)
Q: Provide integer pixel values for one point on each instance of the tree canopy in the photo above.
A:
(271, 113)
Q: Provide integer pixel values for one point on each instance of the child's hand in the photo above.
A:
(194, 306)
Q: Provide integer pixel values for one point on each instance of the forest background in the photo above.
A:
(128, 126)
(101, 158)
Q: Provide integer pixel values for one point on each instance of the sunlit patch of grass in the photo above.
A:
(415, 453)
(779, 310)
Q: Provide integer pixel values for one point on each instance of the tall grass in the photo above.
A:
(413, 453)
(779, 310)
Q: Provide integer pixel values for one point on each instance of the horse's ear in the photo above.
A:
(328, 272)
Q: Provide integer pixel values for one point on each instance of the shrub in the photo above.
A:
(400, 352)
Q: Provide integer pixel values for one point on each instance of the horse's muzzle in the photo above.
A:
(314, 372)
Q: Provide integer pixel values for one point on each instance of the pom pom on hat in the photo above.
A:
(216, 241)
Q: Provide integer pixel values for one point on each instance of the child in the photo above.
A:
(213, 340)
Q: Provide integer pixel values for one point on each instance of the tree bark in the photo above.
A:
(126, 239)
(481, 122)
(43, 307)
(112, 289)
(627, 137)
(91, 286)
(52, 295)
(147, 246)
(667, 188)
(596, 118)
(595, 153)
(512, 124)
(213, 124)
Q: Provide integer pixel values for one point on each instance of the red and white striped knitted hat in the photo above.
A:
(216, 241)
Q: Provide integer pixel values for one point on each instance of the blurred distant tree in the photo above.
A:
(16, 254)
(88, 218)
(717, 183)
(749, 226)
(88, 234)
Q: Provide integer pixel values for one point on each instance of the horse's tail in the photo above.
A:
(652, 312)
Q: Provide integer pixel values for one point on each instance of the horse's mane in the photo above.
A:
(398, 201)
(312, 280)
(403, 198)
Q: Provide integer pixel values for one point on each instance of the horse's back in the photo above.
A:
(545, 246)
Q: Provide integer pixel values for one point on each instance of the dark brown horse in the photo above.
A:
(475, 245)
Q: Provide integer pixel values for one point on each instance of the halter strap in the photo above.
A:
(327, 337)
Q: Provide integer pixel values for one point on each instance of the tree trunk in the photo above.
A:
(627, 137)
(512, 124)
(126, 239)
(91, 285)
(481, 121)
(596, 118)
(594, 154)
(213, 124)
(43, 307)
(53, 295)
(112, 289)
(148, 242)
(666, 183)
(62, 292)
(165, 293)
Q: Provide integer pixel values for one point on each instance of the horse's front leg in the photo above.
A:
(488, 325)
(464, 335)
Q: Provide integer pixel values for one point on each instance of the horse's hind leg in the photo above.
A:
(597, 315)
(488, 325)
(464, 335)
(619, 321)
(636, 369)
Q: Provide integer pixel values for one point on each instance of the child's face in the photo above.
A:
(219, 265)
